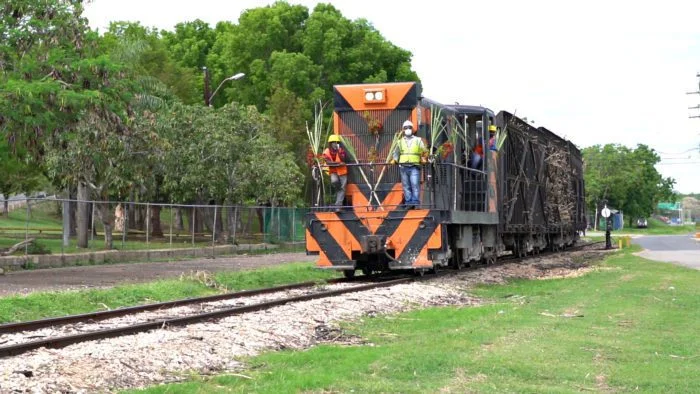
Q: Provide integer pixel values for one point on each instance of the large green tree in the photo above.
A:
(625, 178)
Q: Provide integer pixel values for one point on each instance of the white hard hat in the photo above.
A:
(408, 123)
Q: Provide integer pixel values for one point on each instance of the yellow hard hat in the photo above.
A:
(334, 138)
(492, 128)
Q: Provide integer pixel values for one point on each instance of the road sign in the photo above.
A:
(605, 212)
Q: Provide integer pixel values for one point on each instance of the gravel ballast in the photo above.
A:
(172, 354)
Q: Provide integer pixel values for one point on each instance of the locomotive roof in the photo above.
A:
(470, 109)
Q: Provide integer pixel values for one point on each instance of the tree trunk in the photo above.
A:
(156, 230)
(73, 214)
(140, 217)
(219, 224)
(66, 220)
(82, 215)
(6, 206)
(199, 216)
(595, 224)
(131, 211)
(179, 223)
(232, 221)
(107, 217)
(190, 222)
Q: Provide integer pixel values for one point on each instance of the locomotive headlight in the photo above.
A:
(421, 224)
(375, 96)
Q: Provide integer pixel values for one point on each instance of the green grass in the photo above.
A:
(657, 227)
(55, 245)
(50, 304)
(638, 332)
(43, 216)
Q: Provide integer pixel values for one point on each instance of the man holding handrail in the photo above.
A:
(408, 154)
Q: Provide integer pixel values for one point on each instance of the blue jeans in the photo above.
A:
(410, 181)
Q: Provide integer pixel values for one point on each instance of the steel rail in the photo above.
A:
(102, 315)
(59, 342)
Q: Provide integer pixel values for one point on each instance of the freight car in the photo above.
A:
(520, 189)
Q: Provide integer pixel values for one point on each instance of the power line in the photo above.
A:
(679, 153)
(698, 92)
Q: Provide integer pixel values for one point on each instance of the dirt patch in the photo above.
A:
(103, 276)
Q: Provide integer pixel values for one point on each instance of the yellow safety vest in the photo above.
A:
(410, 154)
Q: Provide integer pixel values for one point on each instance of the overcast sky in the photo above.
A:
(594, 72)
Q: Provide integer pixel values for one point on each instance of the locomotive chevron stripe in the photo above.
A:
(333, 250)
(419, 240)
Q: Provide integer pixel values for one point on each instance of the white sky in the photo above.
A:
(592, 71)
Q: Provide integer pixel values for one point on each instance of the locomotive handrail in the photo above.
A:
(463, 167)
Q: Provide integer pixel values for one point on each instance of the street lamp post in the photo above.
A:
(207, 83)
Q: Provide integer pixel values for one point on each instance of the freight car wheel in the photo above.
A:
(349, 274)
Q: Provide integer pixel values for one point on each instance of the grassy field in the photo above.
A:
(657, 227)
(629, 326)
(45, 226)
(40, 305)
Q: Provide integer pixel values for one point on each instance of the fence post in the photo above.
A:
(26, 229)
(171, 227)
(235, 224)
(148, 230)
(66, 221)
(92, 225)
(294, 225)
(194, 210)
(213, 235)
(279, 224)
(125, 225)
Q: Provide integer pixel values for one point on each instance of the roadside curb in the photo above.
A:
(16, 263)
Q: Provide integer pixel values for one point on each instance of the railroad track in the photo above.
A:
(65, 340)
(91, 318)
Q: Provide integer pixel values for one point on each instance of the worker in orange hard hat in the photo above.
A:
(334, 155)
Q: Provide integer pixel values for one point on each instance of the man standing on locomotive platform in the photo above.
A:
(408, 154)
(334, 156)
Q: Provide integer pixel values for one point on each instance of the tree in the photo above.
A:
(626, 178)
(18, 176)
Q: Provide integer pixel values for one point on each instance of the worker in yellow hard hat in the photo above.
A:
(492, 137)
(334, 155)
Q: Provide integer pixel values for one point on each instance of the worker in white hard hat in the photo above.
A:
(408, 154)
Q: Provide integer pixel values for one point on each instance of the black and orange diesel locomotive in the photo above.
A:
(490, 183)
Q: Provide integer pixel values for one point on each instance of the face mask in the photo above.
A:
(334, 145)
(408, 132)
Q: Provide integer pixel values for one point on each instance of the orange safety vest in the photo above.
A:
(340, 170)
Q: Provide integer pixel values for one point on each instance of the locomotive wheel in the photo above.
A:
(366, 271)
(419, 272)
(349, 273)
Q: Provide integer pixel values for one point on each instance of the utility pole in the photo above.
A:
(697, 92)
(207, 87)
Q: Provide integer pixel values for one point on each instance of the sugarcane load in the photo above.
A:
(407, 183)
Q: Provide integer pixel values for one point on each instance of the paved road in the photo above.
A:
(679, 249)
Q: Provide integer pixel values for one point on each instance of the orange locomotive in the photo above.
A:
(458, 220)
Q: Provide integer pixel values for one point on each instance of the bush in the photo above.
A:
(37, 247)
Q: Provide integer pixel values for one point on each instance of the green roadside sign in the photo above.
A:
(668, 206)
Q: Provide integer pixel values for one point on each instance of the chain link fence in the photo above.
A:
(62, 226)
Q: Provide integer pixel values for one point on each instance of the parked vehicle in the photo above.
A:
(642, 223)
